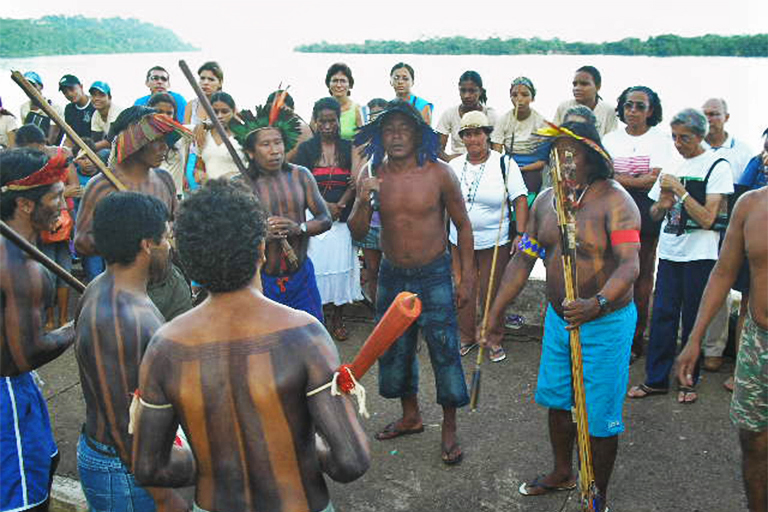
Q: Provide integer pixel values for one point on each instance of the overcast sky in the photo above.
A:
(303, 21)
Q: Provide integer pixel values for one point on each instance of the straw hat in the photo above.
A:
(475, 119)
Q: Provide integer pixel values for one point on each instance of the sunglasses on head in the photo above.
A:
(636, 105)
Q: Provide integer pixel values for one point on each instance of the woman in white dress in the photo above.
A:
(486, 178)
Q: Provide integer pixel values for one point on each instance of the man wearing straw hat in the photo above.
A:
(415, 192)
(607, 264)
(30, 201)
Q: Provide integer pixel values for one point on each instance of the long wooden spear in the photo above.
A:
(288, 251)
(474, 393)
(37, 98)
(37, 255)
(566, 221)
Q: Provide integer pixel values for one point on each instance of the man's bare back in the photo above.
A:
(756, 250)
(113, 330)
(237, 373)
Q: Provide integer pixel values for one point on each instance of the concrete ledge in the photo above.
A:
(67, 495)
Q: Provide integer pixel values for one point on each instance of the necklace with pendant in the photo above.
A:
(475, 185)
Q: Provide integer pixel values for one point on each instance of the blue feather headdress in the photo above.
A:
(369, 136)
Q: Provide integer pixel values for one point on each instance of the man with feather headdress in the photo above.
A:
(286, 191)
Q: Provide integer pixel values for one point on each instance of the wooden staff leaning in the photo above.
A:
(566, 222)
(288, 251)
(38, 99)
(37, 255)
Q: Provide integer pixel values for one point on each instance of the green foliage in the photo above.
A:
(69, 35)
(660, 46)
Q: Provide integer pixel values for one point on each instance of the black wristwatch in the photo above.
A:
(602, 302)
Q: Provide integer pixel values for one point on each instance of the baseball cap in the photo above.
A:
(101, 86)
(31, 76)
(68, 81)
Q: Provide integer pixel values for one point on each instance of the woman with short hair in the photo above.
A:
(688, 198)
(339, 81)
(490, 183)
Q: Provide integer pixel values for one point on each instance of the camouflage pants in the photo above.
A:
(749, 405)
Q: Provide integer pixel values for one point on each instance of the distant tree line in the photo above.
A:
(69, 35)
(658, 46)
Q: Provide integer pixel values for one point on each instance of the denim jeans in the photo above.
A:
(106, 482)
(93, 266)
(399, 366)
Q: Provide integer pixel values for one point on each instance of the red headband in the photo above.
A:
(54, 171)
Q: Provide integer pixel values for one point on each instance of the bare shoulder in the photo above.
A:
(616, 192)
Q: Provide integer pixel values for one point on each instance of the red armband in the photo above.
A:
(626, 236)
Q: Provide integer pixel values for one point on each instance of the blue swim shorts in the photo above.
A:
(297, 290)
(399, 366)
(605, 345)
(26, 444)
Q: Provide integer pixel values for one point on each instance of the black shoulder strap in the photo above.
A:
(712, 168)
(506, 189)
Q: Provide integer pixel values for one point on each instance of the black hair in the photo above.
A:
(377, 103)
(602, 170)
(162, 97)
(400, 65)
(224, 98)
(122, 220)
(653, 100)
(328, 103)
(594, 73)
(474, 77)
(288, 98)
(219, 230)
(16, 164)
(29, 134)
(126, 118)
(310, 151)
(156, 68)
(339, 67)
(214, 68)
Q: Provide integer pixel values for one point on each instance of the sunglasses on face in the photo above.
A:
(158, 78)
(635, 105)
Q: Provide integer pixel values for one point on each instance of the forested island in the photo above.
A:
(69, 35)
(658, 46)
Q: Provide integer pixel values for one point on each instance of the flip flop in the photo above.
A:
(686, 395)
(466, 348)
(539, 488)
(647, 391)
(391, 432)
(497, 354)
(457, 457)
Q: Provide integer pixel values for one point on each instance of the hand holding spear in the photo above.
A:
(566, 222)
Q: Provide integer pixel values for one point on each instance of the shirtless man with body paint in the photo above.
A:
(235, 373)
(31, 198)
(115, 321)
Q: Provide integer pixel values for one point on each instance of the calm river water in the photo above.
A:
(249, 76)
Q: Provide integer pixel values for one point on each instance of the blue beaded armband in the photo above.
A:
(531, 246)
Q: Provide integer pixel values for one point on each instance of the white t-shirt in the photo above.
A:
(27, 106)
(509, 130)
(483, 189)
(450, 122)
(218, 161)
(637, 155)
(607, 121)
(696, 244)
(7, 125)
(737, 153)
(100, 125)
